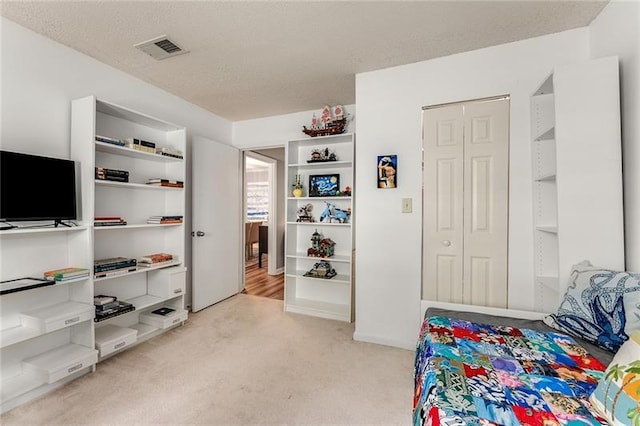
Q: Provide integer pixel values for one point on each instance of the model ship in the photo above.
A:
(328, 124)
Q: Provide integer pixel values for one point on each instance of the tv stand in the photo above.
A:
(60, 222)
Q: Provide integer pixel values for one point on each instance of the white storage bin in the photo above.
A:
(110, 338)
(58, 316)
(166, 283)
(61, 362)
(164, 321)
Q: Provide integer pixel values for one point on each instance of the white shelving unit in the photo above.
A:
(577, 175)
(44, 330)
(327, 298)
(147, 288)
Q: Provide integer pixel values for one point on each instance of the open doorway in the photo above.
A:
(263, 215)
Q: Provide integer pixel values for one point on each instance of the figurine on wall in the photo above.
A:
(304, 213)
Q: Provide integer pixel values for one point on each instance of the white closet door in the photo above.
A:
(486, 194)
(465, 203)
(443, 203)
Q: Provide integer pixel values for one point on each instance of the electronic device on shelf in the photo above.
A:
(37, 188)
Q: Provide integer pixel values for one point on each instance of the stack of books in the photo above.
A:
(166, 182)
(112, 141)
(65, 274)
(110, 306)
(109, 221)
(140, 145)
(157, 259)
(102, 173)
(164, 219)
(113, 266)
(169, 152)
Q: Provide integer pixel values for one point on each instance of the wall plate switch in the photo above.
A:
(406, 205)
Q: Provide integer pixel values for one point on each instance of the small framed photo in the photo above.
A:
(324, 185)
(387, 171)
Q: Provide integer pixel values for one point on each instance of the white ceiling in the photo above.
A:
(255, 59)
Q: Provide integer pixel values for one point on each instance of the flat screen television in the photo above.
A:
(36, 188)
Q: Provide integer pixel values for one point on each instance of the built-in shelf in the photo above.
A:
(41, 230)
(139, 269)
(547, 135)
(319, 198)
(328, 310)
(145, 301)
(548, 229)
(549, 177)
(13, 387)
(135, 225)
(134, 153)
(338, 279)
(144, 330)
(334, 258)
(318, 224)
(131, 185)
(323, 165)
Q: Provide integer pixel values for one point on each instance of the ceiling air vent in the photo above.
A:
(160, 48)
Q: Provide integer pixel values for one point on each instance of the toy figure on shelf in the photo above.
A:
(347, 191)
(331, 213)
(320, 246)
(321, 269)
(304, 213)
(297, 187)
(322, 155)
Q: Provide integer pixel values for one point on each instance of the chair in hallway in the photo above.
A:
(251, 236)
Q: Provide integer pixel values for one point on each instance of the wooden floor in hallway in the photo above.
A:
(259, 283)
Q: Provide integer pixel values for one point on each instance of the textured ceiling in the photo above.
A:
(255, 59)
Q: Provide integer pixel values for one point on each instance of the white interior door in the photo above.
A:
(466, 175)
(443, 204)
(216, 233)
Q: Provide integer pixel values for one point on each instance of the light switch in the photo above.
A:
(406, 205)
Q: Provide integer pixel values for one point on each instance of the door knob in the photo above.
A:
(200, 234)
(446, 243)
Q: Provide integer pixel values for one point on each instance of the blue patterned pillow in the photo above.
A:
(600, 306)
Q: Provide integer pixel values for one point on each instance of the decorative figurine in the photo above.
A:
(326, 115)
(322, 155)
(320, 246)
(321, 269)
(347, 191)
(331, 213)
(304, 213)
(338, 112)
(297, 187)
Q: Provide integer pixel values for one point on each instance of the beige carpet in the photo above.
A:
(242, 361)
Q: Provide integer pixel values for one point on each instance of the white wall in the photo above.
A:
(389, 103)
(615, 32)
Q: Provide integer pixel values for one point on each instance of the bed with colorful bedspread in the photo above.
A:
(471, 373)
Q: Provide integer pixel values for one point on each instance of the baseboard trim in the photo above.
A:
(279, 271)
(379, 340)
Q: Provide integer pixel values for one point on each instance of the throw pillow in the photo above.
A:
(617, 396)
(600, 306)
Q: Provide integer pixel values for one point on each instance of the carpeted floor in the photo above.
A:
(242, 361)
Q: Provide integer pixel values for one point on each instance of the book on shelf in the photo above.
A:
(102, 173)
(163, 221)
(166, 217)
(109, 221)
(140, 145)
(107, 139)
(156, 258)
(102, 299)
(107, 218)
(115, 272)
(102, 265)
(64, 274)
(169, 152)
(166, 182)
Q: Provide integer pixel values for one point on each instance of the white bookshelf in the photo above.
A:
(577, 175)
(35, 322)
(328, 298)
(135, 202)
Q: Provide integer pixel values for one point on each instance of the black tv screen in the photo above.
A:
(33, 187)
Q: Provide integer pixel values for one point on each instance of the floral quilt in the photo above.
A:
(468, 373)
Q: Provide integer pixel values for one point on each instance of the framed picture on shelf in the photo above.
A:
(324, 185)
(387, 171)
